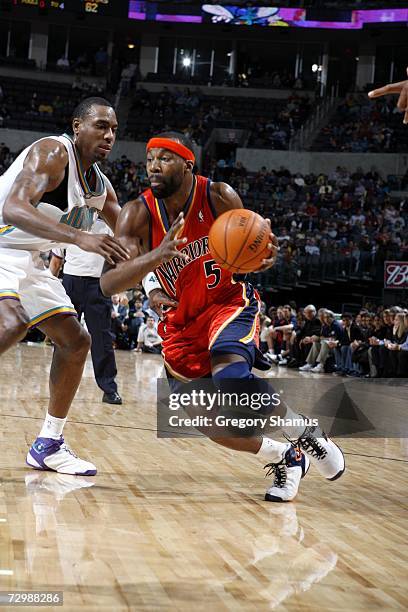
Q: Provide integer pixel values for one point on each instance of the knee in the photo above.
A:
(228, 371)
(78, 344)
(14, 322)
(83, 342)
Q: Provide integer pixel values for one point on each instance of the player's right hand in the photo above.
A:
(400, 88)
(159, 301)
(168, 247)
(110, 248)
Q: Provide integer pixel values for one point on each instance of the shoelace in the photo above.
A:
(68, 450)
(279, 469)
(311, 446)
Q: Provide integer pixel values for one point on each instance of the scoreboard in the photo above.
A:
(106, 8)
(41, 4)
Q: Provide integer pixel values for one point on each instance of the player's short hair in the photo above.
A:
(84, 107)
(175, 135)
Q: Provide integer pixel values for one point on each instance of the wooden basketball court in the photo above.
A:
(181, 524)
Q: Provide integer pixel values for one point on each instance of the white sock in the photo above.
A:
(271, 450)
(296, 430)
(52, 427)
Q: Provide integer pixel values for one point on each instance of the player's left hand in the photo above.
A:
(273, 246)
(158, 299)
(400, 88)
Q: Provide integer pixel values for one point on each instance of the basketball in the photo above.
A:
(238, 241)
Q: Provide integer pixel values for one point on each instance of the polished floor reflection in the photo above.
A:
(181, 524)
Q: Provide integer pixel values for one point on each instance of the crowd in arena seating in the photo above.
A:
(134, 324)
(371, 344)
(182, 108)
(276, 132)
(361, 125)
(41, 105)
(6, 157)
(347, 215)
(272, 122)
(341, 225)
(254, 77)
(345, 224)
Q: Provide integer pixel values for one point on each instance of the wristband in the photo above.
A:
(150, 282)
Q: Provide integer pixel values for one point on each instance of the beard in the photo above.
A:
(168, 187)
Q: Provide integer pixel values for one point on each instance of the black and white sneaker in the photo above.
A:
(322, 452)
(288, 474)
(271, 357)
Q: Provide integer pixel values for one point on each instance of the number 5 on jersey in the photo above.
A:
(212, 269)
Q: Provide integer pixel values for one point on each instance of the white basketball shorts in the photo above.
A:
(24, 277)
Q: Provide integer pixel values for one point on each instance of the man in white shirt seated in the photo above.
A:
(148, 340)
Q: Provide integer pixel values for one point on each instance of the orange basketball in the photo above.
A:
(238, 241)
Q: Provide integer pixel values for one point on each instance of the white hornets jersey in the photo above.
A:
(73, 202)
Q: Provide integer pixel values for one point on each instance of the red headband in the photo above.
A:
(171, 145)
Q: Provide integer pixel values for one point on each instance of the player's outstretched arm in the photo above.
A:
(225, 198)
(132, 229)
(400, 88)
(111, 209)
(43, 171)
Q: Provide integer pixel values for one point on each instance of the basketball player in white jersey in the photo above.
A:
(47, 197)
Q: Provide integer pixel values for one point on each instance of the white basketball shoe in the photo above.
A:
(288, 474)
(322, 452)
(55, 455)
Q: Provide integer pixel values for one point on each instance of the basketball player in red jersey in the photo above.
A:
(211, 329)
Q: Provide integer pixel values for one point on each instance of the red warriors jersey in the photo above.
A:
(198, 283)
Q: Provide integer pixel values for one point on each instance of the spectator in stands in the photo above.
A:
(45, 109)
(323, 348)
(305, 336)
(81, 64)
(4, 114)
(63, 63)
(391, 347)
(148, 340)
(361, 125)
(264, 322)
(126, 77)
(402, 354)
(281, 336)
(101, 61)
(119, 313)
(136, 318)
(349, 340)
(79, 84)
